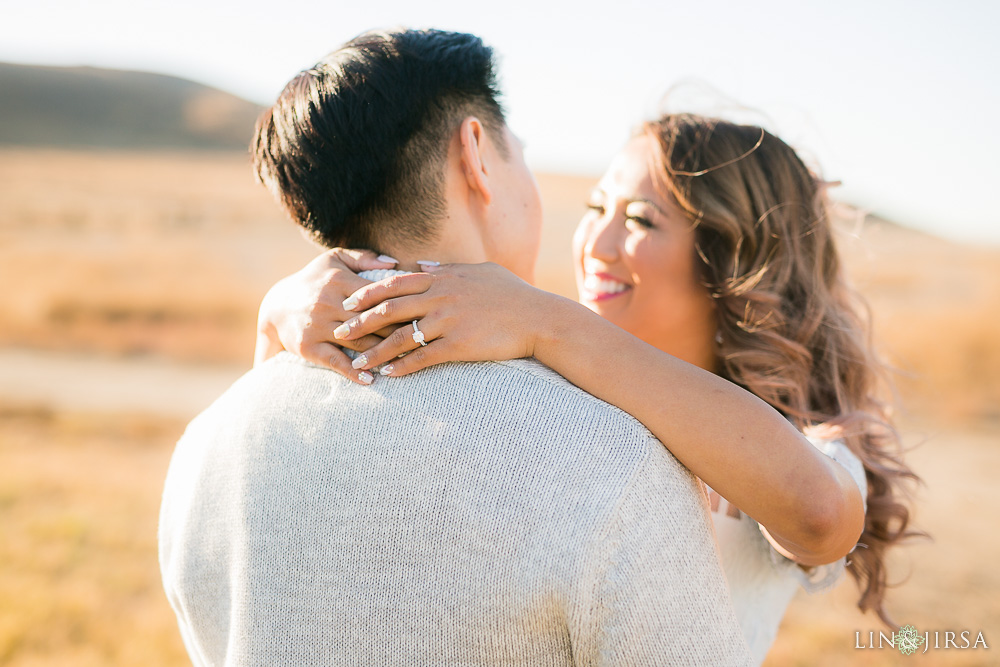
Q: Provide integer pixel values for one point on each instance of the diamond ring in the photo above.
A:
(418, 335)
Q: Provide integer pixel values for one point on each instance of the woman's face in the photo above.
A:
(634, 255)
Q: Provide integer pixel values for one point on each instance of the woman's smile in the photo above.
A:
(601, 287)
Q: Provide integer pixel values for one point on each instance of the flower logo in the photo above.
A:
(908, 640)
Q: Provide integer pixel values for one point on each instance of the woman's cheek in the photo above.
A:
(579, 244)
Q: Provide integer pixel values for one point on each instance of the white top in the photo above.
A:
(469, 514)
(762, 582)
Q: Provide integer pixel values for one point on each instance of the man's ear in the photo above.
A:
(473, 139)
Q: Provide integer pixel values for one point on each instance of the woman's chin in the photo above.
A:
(606, 308)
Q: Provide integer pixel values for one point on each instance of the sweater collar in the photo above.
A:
(376, 275)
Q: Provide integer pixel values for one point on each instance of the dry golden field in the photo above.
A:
(130, 286)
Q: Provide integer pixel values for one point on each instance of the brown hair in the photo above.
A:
(790, 329)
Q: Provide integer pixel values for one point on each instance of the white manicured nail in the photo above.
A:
(386, 258)
(360, 361)
(342, 331)
(386, 370)
(350, 303)
(366, 377)
(428, 262)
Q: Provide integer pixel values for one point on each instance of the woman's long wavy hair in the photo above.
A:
(790, 329)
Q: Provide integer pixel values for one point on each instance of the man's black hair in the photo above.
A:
(355, 147)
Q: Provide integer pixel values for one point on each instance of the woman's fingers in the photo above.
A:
(394, 286)
(398, 342)
(435, 352)
(362, 260)
(332, 357)
(401, 342)
(361, 344)
(392, 311)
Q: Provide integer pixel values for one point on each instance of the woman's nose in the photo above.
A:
(602, 239)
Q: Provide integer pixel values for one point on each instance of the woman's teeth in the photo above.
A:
(596, 285)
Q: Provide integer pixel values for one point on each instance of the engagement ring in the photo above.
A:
(418, 335)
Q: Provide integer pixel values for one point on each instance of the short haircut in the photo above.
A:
(355, 148)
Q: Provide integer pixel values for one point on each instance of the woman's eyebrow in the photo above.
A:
(652, 204)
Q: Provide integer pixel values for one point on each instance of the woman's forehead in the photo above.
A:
(628, 176)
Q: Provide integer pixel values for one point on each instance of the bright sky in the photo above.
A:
(894, 98)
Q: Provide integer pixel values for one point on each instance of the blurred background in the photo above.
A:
(135, 248)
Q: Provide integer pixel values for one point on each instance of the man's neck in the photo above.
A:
(457, 242)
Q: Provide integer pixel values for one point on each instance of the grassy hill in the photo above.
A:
(86, 107)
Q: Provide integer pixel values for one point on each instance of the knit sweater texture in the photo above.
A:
(468, 514)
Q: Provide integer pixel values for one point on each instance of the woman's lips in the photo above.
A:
(601, 286)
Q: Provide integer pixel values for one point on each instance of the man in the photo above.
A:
(469, 514)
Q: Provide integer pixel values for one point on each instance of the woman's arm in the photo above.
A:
(734, 441)
(743, 448)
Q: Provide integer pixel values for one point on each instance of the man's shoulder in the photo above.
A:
(529, 386)
(516, 417)
(518, 383)
(533, 376)
(519, 402)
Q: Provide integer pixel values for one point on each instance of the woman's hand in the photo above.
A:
(467, 312)
(300, 312)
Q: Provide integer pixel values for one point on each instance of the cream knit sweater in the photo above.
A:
(469, 514)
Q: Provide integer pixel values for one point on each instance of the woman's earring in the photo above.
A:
(718, 337)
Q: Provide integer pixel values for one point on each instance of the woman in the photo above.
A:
(710, 243)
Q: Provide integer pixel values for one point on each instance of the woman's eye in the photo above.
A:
(595, 207)
(640, 221)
